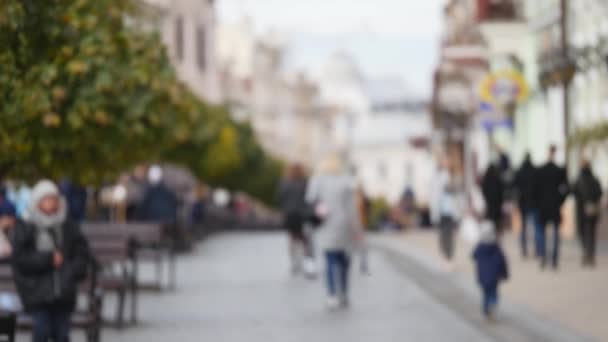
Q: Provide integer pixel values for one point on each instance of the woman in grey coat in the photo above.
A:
(333, 194)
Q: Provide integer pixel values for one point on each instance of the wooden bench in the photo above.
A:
(125, 246)
(111, 248)
(155, 243)
(87, 318)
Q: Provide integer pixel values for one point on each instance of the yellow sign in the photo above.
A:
(504, 87)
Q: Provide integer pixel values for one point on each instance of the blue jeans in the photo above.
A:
(530, 218)
(51, 324)
(490, 298)
(556, 242)
(338, 263)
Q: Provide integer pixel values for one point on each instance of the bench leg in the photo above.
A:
(159, 269)
(120, 312)
(133, 288)
(172, 270)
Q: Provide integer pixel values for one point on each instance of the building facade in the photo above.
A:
(187, 28)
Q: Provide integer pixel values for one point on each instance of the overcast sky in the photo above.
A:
(387, 37)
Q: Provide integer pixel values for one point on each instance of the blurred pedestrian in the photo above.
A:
(198, 210)
(291, 197)
(363, 207)
(50, 258)
(552, 190)
(76, 199)
(8, 220)
(332, 192)
(159, 204)
(20, 196)
(492, 268)
(493, 190)
(588, 193)
(447, 207)
(527, 197)
(136, 190)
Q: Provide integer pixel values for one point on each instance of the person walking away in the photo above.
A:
(363, 208)
(50, 258)
(159, 204)
(493, 190)
(492, 269)
(527, 198)
(332, 192)
(198, 212)
(553, 190)
(447, 208)
(136, 189)
(291, 197)
(588, 193)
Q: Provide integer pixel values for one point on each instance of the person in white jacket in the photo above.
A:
(332, 191)
(447, 206)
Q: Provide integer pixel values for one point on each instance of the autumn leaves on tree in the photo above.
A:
(86, 91)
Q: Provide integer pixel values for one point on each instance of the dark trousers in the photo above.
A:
(589, 238)
(51, 324)
(447, 226)
(530, 220)
(490, 298)
(554, 223)
(338, 264)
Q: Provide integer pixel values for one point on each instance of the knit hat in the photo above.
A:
(7, 209)
(43, 189)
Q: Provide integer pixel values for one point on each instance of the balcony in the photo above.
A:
(499, 10)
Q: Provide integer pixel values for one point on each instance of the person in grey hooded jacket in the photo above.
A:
(332, 191)
(50, 258)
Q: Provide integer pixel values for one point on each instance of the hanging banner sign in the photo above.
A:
(503, 88)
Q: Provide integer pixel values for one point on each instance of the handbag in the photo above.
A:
(311, 216)
(470, 230)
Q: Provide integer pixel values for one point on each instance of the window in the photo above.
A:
(201, 49)
(179, 38)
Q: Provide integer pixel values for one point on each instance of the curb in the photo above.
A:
(460, 295)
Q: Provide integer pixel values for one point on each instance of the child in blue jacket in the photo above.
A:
(492, 268)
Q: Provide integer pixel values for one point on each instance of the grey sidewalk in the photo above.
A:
(237, 288)
(572, 298)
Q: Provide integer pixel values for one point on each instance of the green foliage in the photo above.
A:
(85, 93)
(378, 209)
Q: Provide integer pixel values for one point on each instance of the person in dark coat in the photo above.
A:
(492, 268)
(493, 189)
(588, 193)
(553, 189)
(136, 188)
(50, 258)
(76, 199)
(159, 203)
(527, 199)
(291, 197)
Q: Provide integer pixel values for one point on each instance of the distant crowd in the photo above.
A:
(539, 192)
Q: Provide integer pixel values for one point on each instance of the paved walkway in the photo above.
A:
(573, 297)
(236, 288)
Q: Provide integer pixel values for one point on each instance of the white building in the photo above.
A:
(376, 125)
(284, 109)
(187, 28)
